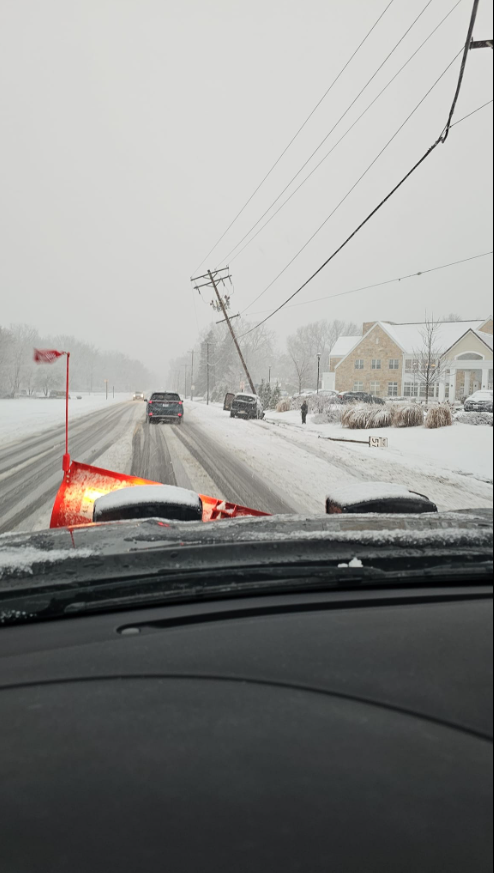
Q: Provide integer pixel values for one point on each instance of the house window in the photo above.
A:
(394, 364)
(392, 389)
(376, 364)
(358, 386)
(375, 387)
(359, 364)
(410, 390)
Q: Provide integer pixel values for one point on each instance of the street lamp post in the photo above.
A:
(106, 386)
(318, 371)
(191, 352)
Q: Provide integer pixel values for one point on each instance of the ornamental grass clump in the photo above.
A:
(439, 416)
(409, 416)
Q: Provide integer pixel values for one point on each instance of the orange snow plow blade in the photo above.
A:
(83, 485)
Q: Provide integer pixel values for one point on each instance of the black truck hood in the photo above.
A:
(125, 549)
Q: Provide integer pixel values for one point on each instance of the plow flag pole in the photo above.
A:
(48, 356)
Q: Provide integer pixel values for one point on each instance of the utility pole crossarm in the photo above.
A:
(481, 44)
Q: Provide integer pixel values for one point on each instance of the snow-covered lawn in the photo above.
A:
(458, 449)
(23, 417)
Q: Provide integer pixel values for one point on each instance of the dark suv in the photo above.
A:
(246, 406)
(165, 406)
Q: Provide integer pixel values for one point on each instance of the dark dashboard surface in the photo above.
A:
(326, 732)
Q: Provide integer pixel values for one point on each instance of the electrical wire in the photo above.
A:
(299, 131)
(466, 52)
(327, 155)
(355, 185)
(387, 282)
(470, 114)
(440, 141)
(347, 110)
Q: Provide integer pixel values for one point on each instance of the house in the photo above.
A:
(387, 360)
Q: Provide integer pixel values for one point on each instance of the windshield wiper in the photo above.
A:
(186, 587)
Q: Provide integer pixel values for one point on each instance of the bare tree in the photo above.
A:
(299, 356)
(453, 316)
(429, 365)
(19, 359)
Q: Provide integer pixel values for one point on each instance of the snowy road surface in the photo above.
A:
(269, 466)
(30, 469)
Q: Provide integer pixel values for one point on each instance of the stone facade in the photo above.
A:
(377, 346)
(333, 363)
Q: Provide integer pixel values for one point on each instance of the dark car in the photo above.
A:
(227, 405)
(246, 406)
(165, 406)
(361, 397)
(481, 401)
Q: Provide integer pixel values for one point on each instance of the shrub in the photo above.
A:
(331, 415)
(439, 416)
(408, 416)
(284, 405)
(356, 417)
(475, 418)
(381, 416)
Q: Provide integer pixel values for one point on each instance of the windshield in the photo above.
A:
(307, 166)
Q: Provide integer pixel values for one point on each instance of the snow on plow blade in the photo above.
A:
(74, 503)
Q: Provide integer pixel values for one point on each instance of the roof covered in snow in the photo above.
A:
(410, 337)
(486, 337)
(344, 345)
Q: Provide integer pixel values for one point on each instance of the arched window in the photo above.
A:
(470, 356)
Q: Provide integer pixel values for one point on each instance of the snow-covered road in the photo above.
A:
(275, 466)
(30, 469)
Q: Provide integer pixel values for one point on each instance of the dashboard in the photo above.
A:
(328, 731)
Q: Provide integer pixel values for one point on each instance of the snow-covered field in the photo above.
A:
(23, 417)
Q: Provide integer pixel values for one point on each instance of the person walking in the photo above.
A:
(304, 410)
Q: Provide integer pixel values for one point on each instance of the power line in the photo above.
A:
(440, 141)
(387, 282)
(468, 45)
(484, 105)
(299, 131)
(297, 174)
(355, 185)
(314, 170)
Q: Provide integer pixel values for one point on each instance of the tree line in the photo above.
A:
(214, 362)
(91, 368)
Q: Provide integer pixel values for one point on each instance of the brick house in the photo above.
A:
(383, 361)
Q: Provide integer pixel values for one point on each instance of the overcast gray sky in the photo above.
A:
(133, 131)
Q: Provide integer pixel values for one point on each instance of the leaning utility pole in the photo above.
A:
(221, 307)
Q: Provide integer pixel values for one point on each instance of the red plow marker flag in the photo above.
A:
(48, 356)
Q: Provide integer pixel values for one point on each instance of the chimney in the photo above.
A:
(367, 326)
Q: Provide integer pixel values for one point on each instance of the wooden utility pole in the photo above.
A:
(207, 372)
(234, 338)
(221, 307)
